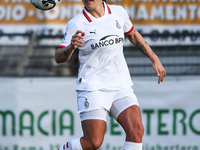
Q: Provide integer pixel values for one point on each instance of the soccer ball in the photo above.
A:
(44, 4)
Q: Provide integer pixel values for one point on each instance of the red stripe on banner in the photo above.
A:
(88, 18)
(64, 146)
(129, 30)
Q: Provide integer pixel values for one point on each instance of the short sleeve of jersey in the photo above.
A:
(69, 32)
(128, 26)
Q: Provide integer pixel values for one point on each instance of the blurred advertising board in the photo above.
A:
(41, 114)
(165, 22)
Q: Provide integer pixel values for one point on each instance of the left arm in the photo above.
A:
(138, 41)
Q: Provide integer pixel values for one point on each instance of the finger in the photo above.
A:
(83, 34)
(162, 76)
(165, 74)
(159, 79)
(79, 37)
(80, 33)
(157, 72)
(76, 42)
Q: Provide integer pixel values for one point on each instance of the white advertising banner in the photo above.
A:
(41, 114)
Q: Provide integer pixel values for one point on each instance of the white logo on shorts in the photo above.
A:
(86, 103)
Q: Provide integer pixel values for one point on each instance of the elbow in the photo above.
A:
(58, 59)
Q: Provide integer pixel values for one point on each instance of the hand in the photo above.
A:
(160, 71)
(77, 39)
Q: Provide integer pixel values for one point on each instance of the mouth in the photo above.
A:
(88, 1)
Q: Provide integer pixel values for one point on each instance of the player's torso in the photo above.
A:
(103, 34)
(102, 64)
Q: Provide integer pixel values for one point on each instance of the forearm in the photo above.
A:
(138, 41)
(64, 54)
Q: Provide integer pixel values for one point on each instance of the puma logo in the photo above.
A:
(93, 32)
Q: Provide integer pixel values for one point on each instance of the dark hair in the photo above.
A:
(104, 0)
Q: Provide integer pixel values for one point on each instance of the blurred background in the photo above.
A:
(33, 87)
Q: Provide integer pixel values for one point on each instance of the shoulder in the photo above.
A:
(77, 20)
(118, 11)
(116, 8)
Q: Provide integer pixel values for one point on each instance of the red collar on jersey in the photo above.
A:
(89, 19)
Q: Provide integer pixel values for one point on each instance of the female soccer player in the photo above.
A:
(104, 85)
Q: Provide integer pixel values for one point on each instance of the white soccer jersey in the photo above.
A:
(102, 62)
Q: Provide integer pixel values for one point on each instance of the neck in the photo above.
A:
(98, 11)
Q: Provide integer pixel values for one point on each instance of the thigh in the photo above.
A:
(131, 121)
(129, 117)
(121, 104)
(94, 125)
(93, 133)
(93, 128)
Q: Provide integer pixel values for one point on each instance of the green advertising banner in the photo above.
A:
(41, 114)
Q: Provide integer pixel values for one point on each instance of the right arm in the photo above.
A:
(138, 41)
(64, 54)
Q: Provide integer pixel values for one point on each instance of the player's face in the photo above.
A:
(92, 5)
